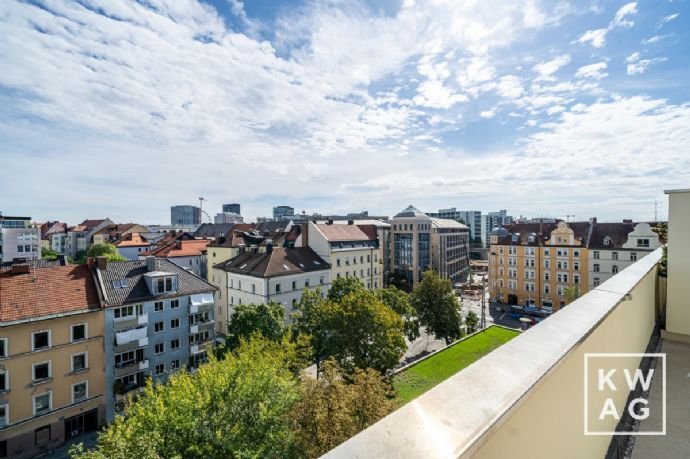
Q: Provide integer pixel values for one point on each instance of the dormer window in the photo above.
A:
(164, 284)
(607, 240)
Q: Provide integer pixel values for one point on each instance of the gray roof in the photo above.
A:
(214, 230)
(280, 262)
(411, 211)
(137, 290)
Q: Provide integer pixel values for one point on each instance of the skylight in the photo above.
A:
(286, 268)
(117, 284)
(243, 266)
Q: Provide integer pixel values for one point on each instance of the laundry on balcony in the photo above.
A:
(201, 298)
(130, 335)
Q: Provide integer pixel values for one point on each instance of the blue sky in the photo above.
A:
(122, 109)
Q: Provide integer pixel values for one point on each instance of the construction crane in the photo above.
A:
(201, 209)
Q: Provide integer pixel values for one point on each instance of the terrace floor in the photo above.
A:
(676, 442)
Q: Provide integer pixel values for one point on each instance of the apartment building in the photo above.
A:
(78, 238)
(132, 246)
(51, 357)
(111, 233)
(19, 239)
(615, 246)
(158, 318)
(189, 254)
(419, 242)
(279, 274)
(351, 250)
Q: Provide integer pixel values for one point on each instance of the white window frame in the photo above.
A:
(33, 341)
(86, 332)
(86, 397)
(50, 402)
(6, 374)
(7, 348)
(6, 421)
(86, 360)
(33, 371)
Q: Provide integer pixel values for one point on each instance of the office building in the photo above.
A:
(232, 208)
(185, 215)
(19, 239)
(283, 212)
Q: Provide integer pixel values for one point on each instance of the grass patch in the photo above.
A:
(421, 377)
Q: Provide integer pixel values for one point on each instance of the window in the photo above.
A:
(42, 435)
(80, 391)
(277, 288)
(643, 242)
(633, 256)
(159, 348)
(546, 289)
(78, 332)
(253, 288)
(158, 306)
(159, 327)
(40, 340)
(3, 347)
(576, 279)
(175, 344)
(41, 371)
(174, 304)
(547, 252)
(175, 364)
(79, 362)
(128, 311)
(42, 403)
(368, 258)
(576, 253)
(596, 281)
(306, 283)
(596, 267)
(4, 381)
(175, 323)
(595, 254)
(546, 276)
(337, 262)
(294, 285)
(159, 369)
(4, 411)
(547, 264)
(165, 284)
(614, 255)
(576, 265)
(614, 269)
(321, 280)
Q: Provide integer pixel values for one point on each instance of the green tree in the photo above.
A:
(48, 254)
(571, 294)
(331, 410)
(399, 302)
(108, 251)
(437, 308)
(266, 319)
(359, 330)
(472, 321)
(238, 407)
(341, 286)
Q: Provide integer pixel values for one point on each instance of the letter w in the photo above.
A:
(632, 382)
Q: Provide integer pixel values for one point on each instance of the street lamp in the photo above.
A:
(482, 323)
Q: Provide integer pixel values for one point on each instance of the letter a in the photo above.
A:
(609, 409)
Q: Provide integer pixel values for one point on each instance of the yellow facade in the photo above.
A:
(529, 274)
(28, 433)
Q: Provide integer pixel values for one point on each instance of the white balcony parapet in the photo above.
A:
(143, 319)
(525, 399)
(133, 334)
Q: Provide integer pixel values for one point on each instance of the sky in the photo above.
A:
(122, 109)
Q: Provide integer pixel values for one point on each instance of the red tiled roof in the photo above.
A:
(184, 248)
(92, 223)
(46, 291)
(132, 240)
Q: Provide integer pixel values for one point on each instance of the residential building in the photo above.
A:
(419, 242)
(158, 318)
(534, 263)
(351, 250)
(78, 238)
(189, 254)
(47, 231)
(111, 233)
(493, 220)
(615, 246)
(283, 212)
(279, 274)
(232, 208)
(51, 357)
(19, 239)
(185, 215)
(213, 231)
(132, 246)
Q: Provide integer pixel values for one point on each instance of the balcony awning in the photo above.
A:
(130, 335)
(201, 298)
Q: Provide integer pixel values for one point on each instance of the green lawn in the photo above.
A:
(421, 377)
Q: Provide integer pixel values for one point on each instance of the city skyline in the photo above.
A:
(544, 109)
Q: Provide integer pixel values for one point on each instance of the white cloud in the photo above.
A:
(655, 39)
(595, 71)
(488, 113)
(510, 87)
(545, 70)
(597, 37)
(637, 65)
(665, 19)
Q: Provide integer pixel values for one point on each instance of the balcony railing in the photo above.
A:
(130, 322)
(126, 368)
(201, 326)
(130, 346)
(525, 399)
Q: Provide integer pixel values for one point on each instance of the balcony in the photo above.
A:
(126, 368)
(527, 398)
(130, 322)
(201, 302)
(130, 345)
(201, 326)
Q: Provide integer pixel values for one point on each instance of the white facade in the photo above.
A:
(20, 243)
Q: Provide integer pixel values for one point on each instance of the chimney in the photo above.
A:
(62, 260)
(350, 222)
(269, 246)
(593, 220)
(150, 263)
(21, 268)
(102, 263)
(90, 262)
(329, 222)
(627, 220)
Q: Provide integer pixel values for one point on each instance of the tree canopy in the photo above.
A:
(472, 321)
(48, 254)
(341, 286)
(437, 307)
(399, 301)
(266, 319)
(108, 251)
